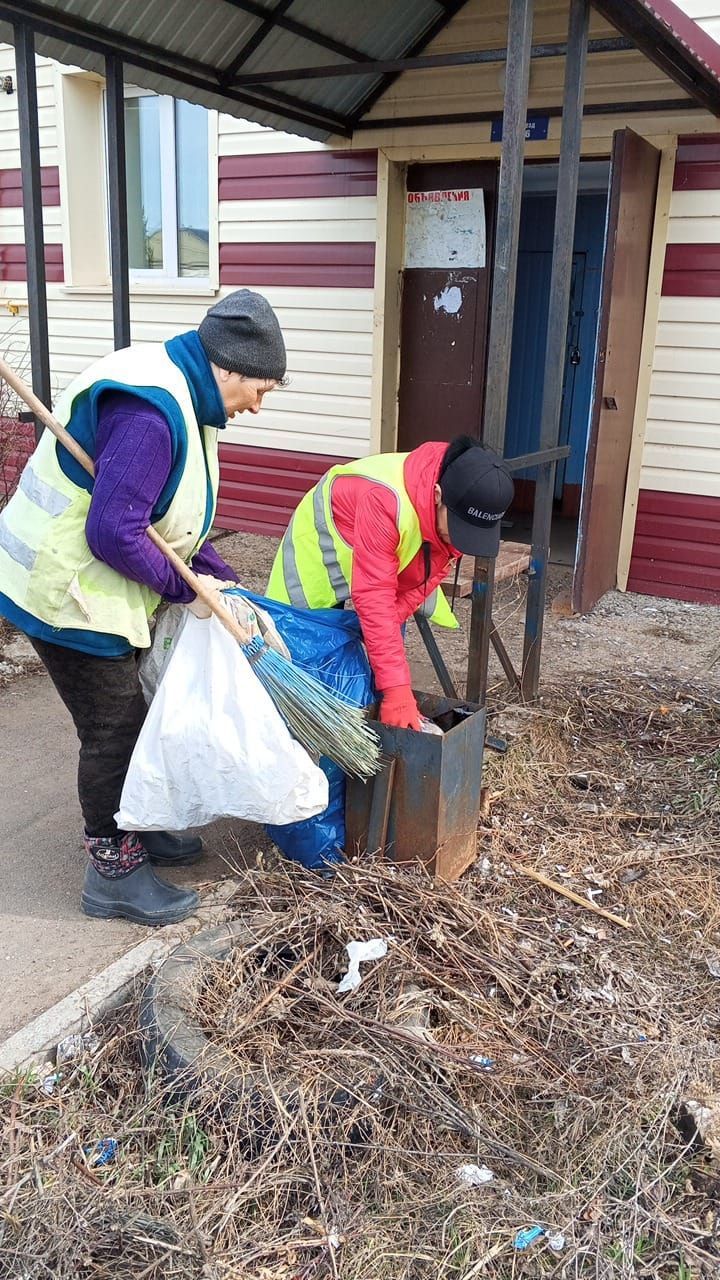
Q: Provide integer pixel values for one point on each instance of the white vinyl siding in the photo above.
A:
(317, 220)
(328, 332)
(682, 435)
(245, 138)
(9, 137)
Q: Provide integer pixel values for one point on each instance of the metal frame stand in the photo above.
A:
(507, 231)
(482, 629)
(570, 142)
(33, 214)
(447, 683)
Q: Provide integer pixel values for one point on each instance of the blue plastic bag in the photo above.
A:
(327, 643)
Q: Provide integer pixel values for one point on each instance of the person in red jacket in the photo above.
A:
(459, 493)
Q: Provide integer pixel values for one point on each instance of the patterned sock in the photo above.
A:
(115, 856)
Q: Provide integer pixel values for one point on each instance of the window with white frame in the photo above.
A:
(166, 143)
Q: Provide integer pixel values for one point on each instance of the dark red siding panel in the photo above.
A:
(298, 174)
(706, 532)
(691, 284)
(260, 488)
(346, 265)
(697, 163)
(690, 176)
(678, 507)
(692, 595)
(13, 263)
(11, 186)
(692, 257)
(676, 550)
(698, 146)
(692, 271)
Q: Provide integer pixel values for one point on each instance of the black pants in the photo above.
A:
(104, 698)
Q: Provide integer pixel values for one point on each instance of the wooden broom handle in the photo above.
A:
(208, 597)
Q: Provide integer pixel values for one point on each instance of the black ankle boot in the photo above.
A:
(166, 850)
(140, 896)
(119, 882)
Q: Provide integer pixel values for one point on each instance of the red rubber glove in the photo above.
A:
(399, 708)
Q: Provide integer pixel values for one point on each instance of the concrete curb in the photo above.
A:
(35, 1044)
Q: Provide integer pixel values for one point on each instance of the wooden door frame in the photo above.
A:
(606, 299)
(387, 303)
(392, 162)
(647, 357)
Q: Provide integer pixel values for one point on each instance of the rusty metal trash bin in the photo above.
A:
(425, 804)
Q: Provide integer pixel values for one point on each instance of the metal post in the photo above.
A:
(117, 184)
(507, 228)
(33, 214)
(433, 650)
(560, 280)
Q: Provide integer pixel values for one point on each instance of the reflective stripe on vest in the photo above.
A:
(15, 547)
(313, 565)
(295, 593)
(46, 566)
(338, 580)
(43, 496)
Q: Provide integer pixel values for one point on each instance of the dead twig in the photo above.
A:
(539, 878)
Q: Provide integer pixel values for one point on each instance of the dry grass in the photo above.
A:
(505, 1027)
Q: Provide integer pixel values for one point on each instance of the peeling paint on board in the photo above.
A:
(449, 300)
(445, 228)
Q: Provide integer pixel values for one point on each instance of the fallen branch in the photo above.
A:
(573, 897)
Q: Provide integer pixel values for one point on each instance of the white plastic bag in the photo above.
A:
(213, 745)
(169, 621)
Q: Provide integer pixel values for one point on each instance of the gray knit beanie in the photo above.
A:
(241, 333)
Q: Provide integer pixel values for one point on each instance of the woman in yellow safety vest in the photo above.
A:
(384, 531)
(79, 575)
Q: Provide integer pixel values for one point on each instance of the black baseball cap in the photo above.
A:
(477, 490)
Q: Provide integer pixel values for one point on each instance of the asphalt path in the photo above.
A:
(47, 946)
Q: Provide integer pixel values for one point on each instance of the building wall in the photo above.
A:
(676, 548)
(301, 222)
(12, 247)
(295, 220)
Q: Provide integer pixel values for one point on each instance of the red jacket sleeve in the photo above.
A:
(374, 586)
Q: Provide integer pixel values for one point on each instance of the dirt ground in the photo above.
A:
(523, 1083)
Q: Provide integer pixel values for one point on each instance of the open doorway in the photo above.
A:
(446, 292)
(529, 337)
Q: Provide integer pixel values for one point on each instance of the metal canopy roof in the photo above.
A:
(235, 55)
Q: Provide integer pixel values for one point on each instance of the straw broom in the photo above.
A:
(323, 722)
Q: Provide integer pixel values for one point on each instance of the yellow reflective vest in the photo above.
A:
(313, 565)
(46, 565)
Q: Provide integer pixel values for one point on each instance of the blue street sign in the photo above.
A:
(536, 129)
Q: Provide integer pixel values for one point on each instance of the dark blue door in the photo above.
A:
(576, 397)
(530, 331)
